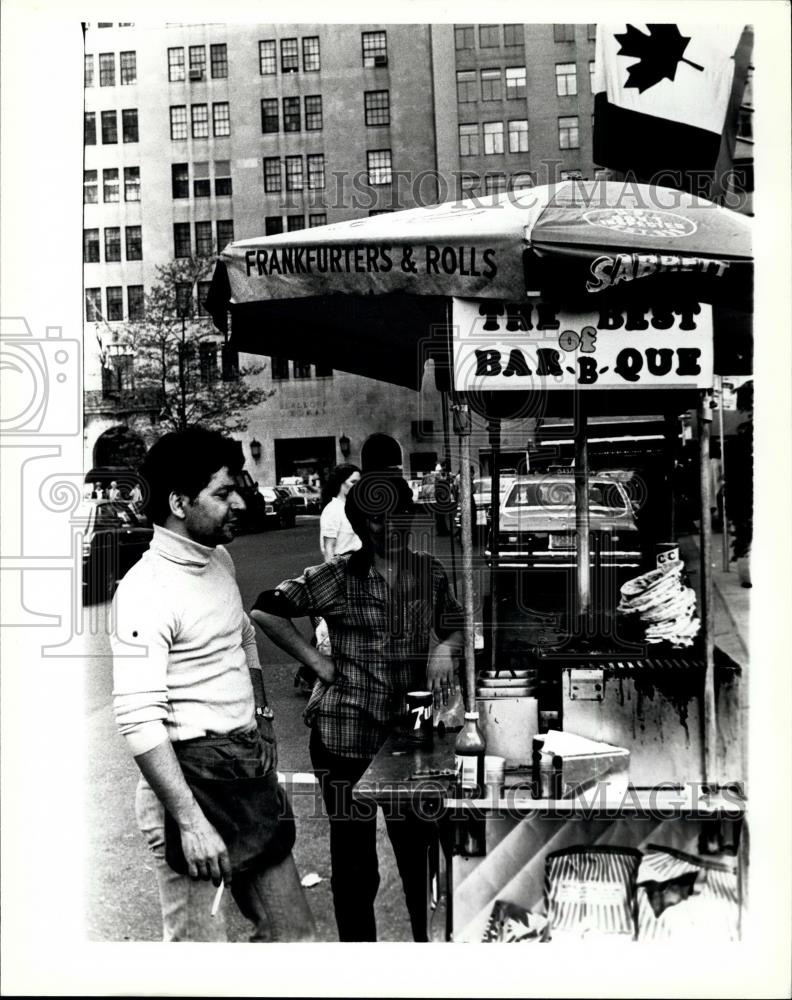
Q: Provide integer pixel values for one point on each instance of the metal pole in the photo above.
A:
(725, 526)
(710, 722)
(462, 427)
(495, 445)
(582, 513)
(447, 454)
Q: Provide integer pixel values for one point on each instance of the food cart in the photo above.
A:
(596, 299)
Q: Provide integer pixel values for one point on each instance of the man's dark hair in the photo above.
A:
(335, 480)
(184, 462)
(375, 494)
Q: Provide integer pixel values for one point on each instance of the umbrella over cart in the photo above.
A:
(378, 297)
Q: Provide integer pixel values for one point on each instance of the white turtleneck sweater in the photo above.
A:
(181, 604)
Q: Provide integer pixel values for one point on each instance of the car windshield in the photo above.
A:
(482, 485)
(115, 514)
(557, 493)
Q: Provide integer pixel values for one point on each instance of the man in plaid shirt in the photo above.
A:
(394, 626)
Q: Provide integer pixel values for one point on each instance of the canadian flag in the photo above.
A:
(661, 96)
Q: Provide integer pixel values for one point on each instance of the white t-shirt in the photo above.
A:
(334, 524)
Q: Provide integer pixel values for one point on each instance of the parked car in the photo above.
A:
(482, 500)
(114, 538)
(305, 499)
(278, 508)
(436, 497)
(537, 524)
(254, 517)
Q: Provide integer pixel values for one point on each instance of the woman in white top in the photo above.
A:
(335, 532)
(335, 538)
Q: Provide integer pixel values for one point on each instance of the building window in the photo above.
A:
(521, 181)
(184, 298)
(128, 67)
(178, 121)
(313, 113)
(563, 32)
(273, 225)
(469, 140)
(280, 368)
(494, 184)
(291, 114)
(591, 32)
(375, 48)
(301, 369)
(467, 89)
(566, 79)
(316, 171)
(225, 233)
(200, 121)
(464, 38)
(317, 219)
(290, 61)
(222, 172)
(131, 183)
(203, 239)
(182, 245)
(377, 107)
(468, 183)
(93, 305)
(515, 81)
(745, 123)
(218, 56)
(489, 36)
(268, 59)
(115, 303)
(175, 65)
(380, 169)
(272, 174)
(112, 242)
(135, 302)
(109, 128)
(592, 66)
(88, 73)
(493, 138)
(207, 360)
(129, 124)
(491, 85)
(203, 294)
(270, 121)
(201, 185)
(221, 118)
(90, 187)
(107, 69)
(518, 136)
(180, 180)
(110, 185)
(294, 173)
(294, 223)
(310, 47)
(568, 134)
(134, 243)
(89, 128)
(90, 246)
(513, 34)
(197, 62)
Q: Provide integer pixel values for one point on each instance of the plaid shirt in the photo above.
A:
(380, 643)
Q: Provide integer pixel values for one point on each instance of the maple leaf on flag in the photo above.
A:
(659, 53)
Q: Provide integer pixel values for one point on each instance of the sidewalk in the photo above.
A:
(732, 602)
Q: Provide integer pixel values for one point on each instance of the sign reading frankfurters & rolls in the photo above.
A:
(531, 345)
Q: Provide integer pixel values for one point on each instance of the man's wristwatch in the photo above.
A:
(264, 712)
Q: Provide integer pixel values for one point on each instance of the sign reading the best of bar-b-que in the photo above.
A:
(533, 346)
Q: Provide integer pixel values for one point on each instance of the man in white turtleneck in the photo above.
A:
(195, 686)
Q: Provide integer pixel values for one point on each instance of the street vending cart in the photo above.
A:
(587, 299)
